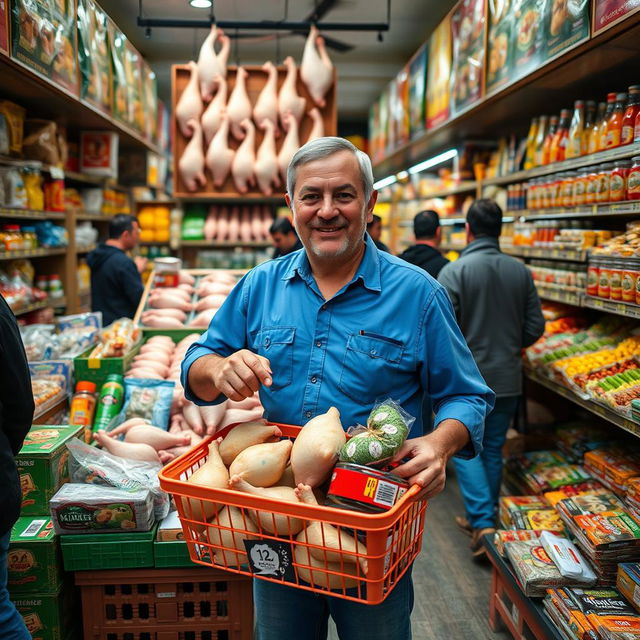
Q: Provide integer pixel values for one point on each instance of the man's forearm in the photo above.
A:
(450, 436)
(201, 377)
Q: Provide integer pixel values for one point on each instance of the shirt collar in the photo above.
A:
(368, 271)
(482, 243)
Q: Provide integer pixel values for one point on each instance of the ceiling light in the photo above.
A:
(432, 162)
(385, 182)
(200, 4)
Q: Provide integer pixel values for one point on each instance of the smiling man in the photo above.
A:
(342, 324)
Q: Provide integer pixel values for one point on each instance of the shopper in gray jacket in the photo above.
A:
(498, 310)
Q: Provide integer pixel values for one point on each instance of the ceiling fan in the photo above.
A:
(237, 29)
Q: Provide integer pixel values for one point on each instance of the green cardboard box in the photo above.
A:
(50, 616)
(33, 560)
(42, 465)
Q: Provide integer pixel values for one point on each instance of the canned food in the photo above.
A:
(615, 281)
(630, 276)
(361, 488)
(167, 272)
(604, 278)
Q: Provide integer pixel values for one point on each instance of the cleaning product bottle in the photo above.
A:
(109, 402)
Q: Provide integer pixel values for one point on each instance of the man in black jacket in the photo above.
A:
(16, 414)
(116, 286)
(424, 253)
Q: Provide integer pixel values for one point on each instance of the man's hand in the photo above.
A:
(238, 376)
(429, 455)
(141, 263)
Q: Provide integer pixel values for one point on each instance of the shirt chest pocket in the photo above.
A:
(276, 344)
(372, 367)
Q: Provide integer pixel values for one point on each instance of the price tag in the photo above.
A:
(622, 308)
(56, 173)
(271, 559)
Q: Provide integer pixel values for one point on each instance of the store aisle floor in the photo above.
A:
(451, 590)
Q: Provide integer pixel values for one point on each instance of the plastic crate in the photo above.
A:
(392, 539)
(171, 554)
(107, 550)
(166, 604)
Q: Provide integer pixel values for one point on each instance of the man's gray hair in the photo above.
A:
(322, 148)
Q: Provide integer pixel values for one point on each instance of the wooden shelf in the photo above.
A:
(231, 198)
(85, 248)
(56, 303)
(573, 298)
(571, 255)
(44, 99)
(31, 214)
(93, 217)
(597, 409)
(588, 70)
(143, 203)
(205, 244)
(32, 253)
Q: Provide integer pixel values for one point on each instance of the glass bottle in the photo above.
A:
(630, 114)
(541, 134)
(561, 137)
(594, 137)
(529, 160)
(589, 122)
(576, 129)
(614, 123)
(551, 132)
(604, 125)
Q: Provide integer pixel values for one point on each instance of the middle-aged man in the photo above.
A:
(374, 229)
(16, 414)
(342, 324)
(425, 253)
(499, 312)
(116, 285)
(284, 237)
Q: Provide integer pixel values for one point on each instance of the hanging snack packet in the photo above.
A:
(387, 428)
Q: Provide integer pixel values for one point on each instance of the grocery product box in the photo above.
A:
(170, 529)
(50, 616)
(628, 582)
(107, 551)
(33, 561)
(97, 369)
(42, 465)
(99, 153)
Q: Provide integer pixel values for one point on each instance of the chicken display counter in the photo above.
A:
(187, 307)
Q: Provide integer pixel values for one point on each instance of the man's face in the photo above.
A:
(375, 230)
(131, 238)
(329, 210)
(283, 241)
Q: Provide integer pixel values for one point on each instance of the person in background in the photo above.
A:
(284, 237)
(374, 229)
(16, 415)
(116, 285)
(300, 330)
(498, 310)
(425, 253)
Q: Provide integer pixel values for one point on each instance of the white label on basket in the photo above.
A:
(166, 594)
(33, 528)
(270, 558)
(386, 493)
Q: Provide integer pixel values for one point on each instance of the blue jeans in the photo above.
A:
(287, 612)
(12, 625)
(479, 478)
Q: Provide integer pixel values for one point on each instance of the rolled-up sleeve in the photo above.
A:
(226, 335)
(450, 374)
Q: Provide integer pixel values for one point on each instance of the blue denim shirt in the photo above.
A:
(389, 333)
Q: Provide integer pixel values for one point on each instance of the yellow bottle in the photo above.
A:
(574, 143)
(529, 160)
(594, 137)
(541, 134)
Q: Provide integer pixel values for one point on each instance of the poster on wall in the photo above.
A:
(417, 91)
(606, 13)
(401, 113)
(93, 55)
(384, 123)
(393, 123)
(467, 30)
(374, 132)
(438, 74)
(566, 25)
(120, 91)
(44, 39)
(499, 55)
(4, 26)
(528, 36)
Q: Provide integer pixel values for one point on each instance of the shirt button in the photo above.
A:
(267, 342)
(373, 352)
(318, 344)
(314, 379)
(324, 307)
(307, 414)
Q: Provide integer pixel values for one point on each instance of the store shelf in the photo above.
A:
(466, 187)
(597, 409)
(631, 207)
(32, 253)
(42, 98)
(223, 245)
(572, 255)
(31, 214)
(452, 247)
(594, 67)
(56, 303)
(143, 203)
(84, 292)
(232, 198)
(611, 306)
(93, 217)
(85, 248)
(559, 295)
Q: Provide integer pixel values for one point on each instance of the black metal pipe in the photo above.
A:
(266, 25)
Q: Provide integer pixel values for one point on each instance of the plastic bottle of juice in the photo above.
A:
(614, 124)
(604, 125)
(529, 159)
(594, 137)
(574, 142)
(541, 134)
(546, 147)
(561, 137)
(630, 114)
(589, 122)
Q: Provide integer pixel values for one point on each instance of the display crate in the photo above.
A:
(165, 604)
(107, 550)
(171, 554)
(97, 369)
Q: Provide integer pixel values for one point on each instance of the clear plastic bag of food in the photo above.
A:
(147, 399)
(40, 342)
(117, 339)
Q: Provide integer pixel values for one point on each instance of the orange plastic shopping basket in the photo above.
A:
(243, 543)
